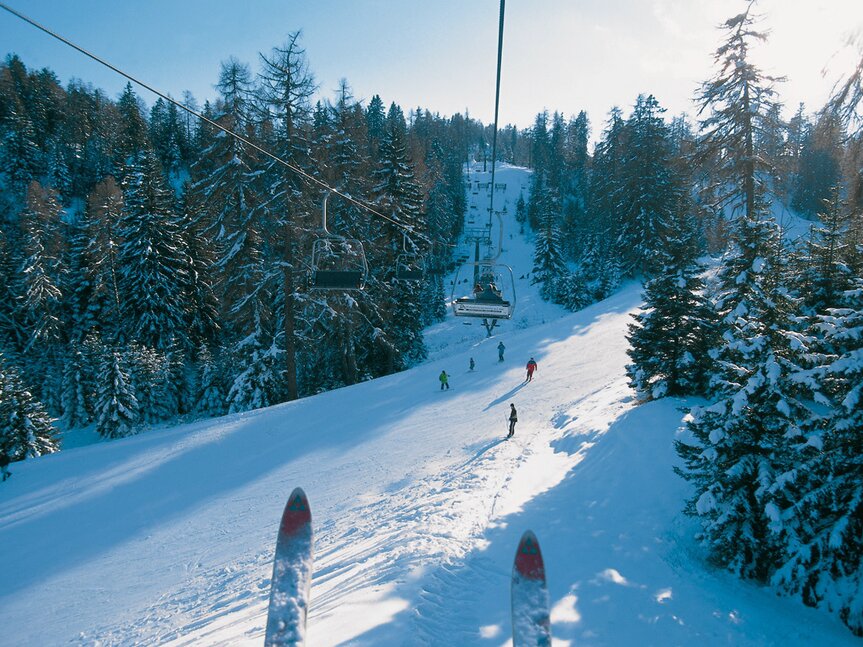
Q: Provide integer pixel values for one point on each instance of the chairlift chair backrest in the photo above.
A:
(345, 269)
(410, 266)
(338, 263)
(487, 300)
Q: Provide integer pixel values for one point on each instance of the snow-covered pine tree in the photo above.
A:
(606, 178)
(376, 119)
(57, 170)
(288, 86)
(89, 126)
(575, 191)
(650, 195)
(260, 383)
(673, 332)
(152, 259)
(398, 193)
(212, 395)
(156, 385)
(228, 198)
(746, 439)
(25, 427)
(41, 298)
(557, 169)
(131, 137)
(572, 291)
(322, 135)
(167, 134)
(202, 312)
(10, 332)
(819, 166)
(539, 161)
(825, 272)
(42, 269)
(20, 157)
(549, 267)
(521, 212)
(444, 210)
(823, 518)
(796, 133)
(438, 212)
(739, 100)
(824, 522)
(117, 408)
(104, 308)
(76, 396)
(771, 143)
(76, 286)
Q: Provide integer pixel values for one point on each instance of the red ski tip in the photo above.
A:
(528, 558)
(297, 513)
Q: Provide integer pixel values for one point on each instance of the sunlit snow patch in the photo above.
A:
(566, 610)
(614, 576)
(663, 595)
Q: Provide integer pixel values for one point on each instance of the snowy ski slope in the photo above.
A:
(418, 504)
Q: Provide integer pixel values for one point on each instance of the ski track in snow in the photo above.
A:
(417, 503)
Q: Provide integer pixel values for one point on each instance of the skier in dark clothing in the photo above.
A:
(531, 367)
(4, 464)
(472, 364)
(500, 349)
(513, 418)
(444, 380)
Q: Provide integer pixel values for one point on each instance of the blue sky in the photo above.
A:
(558, 54)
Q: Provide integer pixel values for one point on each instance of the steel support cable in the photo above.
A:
(275, 158)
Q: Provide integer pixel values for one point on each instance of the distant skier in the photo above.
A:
(4, 464)
(513, 418)
(472, 364)
(500, 349)
(531, 367)
(444, 381)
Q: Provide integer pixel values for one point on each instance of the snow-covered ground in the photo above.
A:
(418, 505)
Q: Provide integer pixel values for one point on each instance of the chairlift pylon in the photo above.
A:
(338, 263)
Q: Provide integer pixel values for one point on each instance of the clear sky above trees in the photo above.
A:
(558, 54)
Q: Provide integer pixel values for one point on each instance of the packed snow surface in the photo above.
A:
(418, 504)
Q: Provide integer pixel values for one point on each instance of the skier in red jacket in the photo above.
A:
(531, 367)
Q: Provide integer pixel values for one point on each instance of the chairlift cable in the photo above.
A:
(494, 136)
(493, 306)
(408, 228)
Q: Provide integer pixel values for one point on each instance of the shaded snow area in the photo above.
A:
(418, 504)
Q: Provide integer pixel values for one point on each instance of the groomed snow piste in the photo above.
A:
(418, 504)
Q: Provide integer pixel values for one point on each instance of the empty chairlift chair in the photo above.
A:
(338, 263)
(410, 266)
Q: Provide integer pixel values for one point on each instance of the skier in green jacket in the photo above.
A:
(444, 380)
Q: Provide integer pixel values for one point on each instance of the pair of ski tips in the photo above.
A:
(292, 578)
